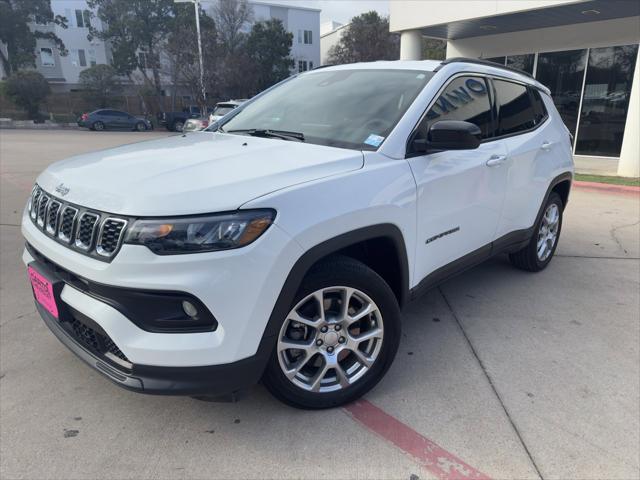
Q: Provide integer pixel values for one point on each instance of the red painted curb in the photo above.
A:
(605, 187)
(442, 464)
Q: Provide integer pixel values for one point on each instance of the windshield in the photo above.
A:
(343, 108)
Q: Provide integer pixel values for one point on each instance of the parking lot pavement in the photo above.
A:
(500, 373)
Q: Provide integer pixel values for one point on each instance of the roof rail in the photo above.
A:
(480, 61)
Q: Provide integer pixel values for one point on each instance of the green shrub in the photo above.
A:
(27, 89)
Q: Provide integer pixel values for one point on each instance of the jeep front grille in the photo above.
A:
(93, 233)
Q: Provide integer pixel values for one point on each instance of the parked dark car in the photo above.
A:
(174, 121)
(108, 119)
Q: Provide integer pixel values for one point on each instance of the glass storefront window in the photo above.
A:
(606, 100)
(500, 60)
(522, 62)
(563, 74)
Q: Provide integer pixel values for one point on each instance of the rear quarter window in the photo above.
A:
(539, 109)
(515, 108)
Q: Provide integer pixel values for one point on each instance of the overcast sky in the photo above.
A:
(339, 10)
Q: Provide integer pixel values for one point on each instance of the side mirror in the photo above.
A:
(450, 135)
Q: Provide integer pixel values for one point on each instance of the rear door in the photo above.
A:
(122, 119)
(108, 117)
(531, 141)
(459, 192)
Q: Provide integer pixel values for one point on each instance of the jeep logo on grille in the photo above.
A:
(62, 190)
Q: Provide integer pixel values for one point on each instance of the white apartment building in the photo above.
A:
(303, 23)
(330, 36)
(585, 51)
(63, 72)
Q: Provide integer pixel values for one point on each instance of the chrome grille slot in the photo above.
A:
(35, 197)
(86, 230)
(67, 223)
(42, 210)
(52, 217)
(110, 235)
(33, 200)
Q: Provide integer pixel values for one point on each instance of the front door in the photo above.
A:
(460, 192)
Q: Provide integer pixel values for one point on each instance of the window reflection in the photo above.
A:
(563, 73)
(522, 62)
(606, 100)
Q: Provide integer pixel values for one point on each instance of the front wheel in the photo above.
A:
(140, 127)
(544, 241)
(178, 126)
(339, 338)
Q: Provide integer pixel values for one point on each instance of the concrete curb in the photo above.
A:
(605, 187)
(30, 125)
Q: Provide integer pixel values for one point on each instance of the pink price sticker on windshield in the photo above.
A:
(43, 291)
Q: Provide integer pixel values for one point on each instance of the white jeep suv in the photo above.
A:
(282, 246)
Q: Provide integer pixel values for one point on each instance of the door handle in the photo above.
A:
(546, 146)
(496, 160)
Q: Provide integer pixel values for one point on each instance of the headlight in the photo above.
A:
(200, 234)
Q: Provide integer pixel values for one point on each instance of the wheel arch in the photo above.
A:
(560, 184)
(361, 244)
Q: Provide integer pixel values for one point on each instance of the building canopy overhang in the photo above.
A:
(555, 16)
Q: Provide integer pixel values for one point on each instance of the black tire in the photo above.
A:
(527, 258)
(97, 126)
(140, 127)
(177, 126)
(345, 272)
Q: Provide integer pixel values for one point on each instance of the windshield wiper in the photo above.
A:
(267, 133)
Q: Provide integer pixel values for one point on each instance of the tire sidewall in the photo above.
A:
(370, 283)
(553, 198)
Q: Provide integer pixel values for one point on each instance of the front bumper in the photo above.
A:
(212, 380)
(239, 288)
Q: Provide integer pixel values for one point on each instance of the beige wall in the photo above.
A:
(410, 14)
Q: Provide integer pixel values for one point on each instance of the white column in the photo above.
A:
(411, 45)
(629, 165)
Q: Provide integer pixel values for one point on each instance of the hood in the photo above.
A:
(203, 172)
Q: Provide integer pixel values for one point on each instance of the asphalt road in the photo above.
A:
(500, 373)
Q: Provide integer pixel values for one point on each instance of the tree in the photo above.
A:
(27, 89)
(99, 83)
(268, 46)
(434, 49)
(180, 53)
(231, 16)
(366, 39)
(133, 26)
(15, 17)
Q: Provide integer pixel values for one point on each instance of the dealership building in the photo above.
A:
(585, 51)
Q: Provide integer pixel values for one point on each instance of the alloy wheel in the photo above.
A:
(548, 232)
(330, 339)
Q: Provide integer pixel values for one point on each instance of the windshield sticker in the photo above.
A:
(374, 140)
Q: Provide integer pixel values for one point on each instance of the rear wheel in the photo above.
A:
(539, 252)
(339, 338)
(98, 126)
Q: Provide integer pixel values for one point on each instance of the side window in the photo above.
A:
(465, 98)
(539, 109)
(515, 110)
